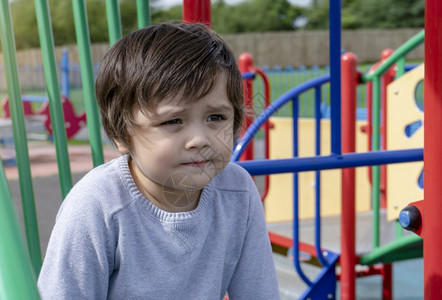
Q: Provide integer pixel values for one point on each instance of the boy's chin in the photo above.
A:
(185, 182)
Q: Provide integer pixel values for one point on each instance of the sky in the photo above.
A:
(169, 3)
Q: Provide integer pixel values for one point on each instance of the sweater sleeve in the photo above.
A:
(79, 259)
(255, 275)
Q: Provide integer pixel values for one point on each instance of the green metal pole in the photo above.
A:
(17, 278)
(143, 13)
(113, 21)
(398, 57)
(400, 52)
(19, 132)
(55, 107)
(376, 170)
(395, 248)
(87, 78)
(400, 67)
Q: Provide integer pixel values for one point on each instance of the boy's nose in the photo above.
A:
(197, 138)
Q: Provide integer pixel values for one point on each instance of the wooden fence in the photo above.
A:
(293, 48)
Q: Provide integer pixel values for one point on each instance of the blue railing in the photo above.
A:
(315, 163)
(293, 97)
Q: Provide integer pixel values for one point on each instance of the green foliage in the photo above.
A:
(254, 16)
(172, 14)
(25, 21)
(387, 14)
(247, 16)
(358, 14)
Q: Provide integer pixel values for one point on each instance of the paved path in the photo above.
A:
(45, 181)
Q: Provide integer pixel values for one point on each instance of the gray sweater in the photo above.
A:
(109, 242)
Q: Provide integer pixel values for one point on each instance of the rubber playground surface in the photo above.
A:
(44, 163)
(407, 275)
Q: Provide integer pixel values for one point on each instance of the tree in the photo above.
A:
(172, 14)
(25, 21)
(387, 14)
(247, 16)
(254, 16)
(358, 14)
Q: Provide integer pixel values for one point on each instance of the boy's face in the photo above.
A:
(178, 148)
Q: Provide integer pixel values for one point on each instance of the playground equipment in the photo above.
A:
(39, 120)
(72, 122)
(405, 130)
(11, 255)
(245, 64)
(403, 247)
(20, 282)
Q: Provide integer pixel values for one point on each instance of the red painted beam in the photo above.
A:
(432, 150)
(197, 11)
(349, 83)
(245, 64)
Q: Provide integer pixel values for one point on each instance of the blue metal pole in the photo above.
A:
(271, 109)
(335, 75)
(295, 113)
(65, 73)
(348, 160)
(318, 178)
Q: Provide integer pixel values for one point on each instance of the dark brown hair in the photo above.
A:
(162, 61)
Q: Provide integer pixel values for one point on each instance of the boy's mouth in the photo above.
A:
(197, 164)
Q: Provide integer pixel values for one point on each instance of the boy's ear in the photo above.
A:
(122, 148)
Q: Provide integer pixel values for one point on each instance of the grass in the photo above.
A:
(283, 81)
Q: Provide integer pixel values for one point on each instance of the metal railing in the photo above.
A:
(19, 266)
(334, 160)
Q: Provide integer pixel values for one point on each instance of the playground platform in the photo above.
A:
(407, 275)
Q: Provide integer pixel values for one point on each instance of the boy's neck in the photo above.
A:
(167, 199)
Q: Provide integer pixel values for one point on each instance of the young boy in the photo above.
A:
(171, 218)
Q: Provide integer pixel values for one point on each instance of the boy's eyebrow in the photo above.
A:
(223, 108)
(170, 110)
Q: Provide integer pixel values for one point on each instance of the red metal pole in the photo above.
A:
(348, 219)
(245, 64)
(386, 79)
(197, 11)
(432, 151)
(266, 128)
(387, 281)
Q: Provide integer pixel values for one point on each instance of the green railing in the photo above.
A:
(17, 277)
(18, 266)
(55, 108)
(20, 142)
(398, 58)
(87, 79)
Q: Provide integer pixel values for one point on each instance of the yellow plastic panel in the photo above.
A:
(279, 201)
(402, 110)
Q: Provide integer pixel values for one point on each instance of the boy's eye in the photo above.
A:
(172, 122)
(216, 118)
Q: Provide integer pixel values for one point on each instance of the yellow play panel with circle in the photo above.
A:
(404, 181)
(405, 130)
